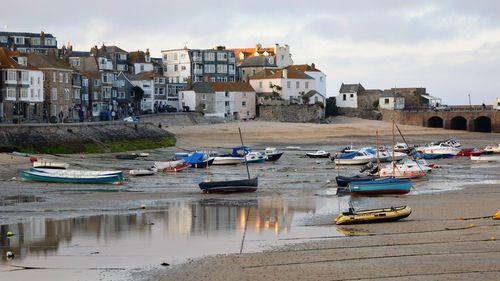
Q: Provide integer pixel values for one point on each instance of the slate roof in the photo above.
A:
(312, 93)
(112, 49)
(202, 87)
(7, 62)
(304, 67)
(91, 74)
(44, 61)
(351, 88)
(249, 52)
(25, 34)
(278, 73)
(232, 87)
(145, 75)
(262, 61)
(389, 94)
(79, 54)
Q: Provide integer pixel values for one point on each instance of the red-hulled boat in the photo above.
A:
(470, 152)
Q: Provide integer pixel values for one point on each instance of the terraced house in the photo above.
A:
(21, 88)
(26, 42)
(59, 100)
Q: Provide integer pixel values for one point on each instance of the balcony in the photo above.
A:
(198, 71)
(231, 60)
(231, 71)
(197, 59)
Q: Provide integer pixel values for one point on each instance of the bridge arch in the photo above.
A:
(435, 122)
(458, 123)
(482, 124)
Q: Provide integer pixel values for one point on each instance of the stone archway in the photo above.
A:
(435, 122)
(482, 124)
(458, 123)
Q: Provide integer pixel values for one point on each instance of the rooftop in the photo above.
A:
(232, 87)
(278, 73)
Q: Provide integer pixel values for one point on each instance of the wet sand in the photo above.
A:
(290, 217)
(432, 244)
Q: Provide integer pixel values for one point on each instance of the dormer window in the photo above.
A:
(147, 58)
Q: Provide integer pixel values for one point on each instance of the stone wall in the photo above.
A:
(74, 138)
(365, 114)
(175, 119)
(291, 113)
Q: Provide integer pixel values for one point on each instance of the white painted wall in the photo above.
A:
(179, 58)
(36, 87)
(289, 86)
(283, 56)
(247, 111)
(391, 103)
(149, 98)
(347, 100)
(187, 98)
(146, 67)
(319, 80)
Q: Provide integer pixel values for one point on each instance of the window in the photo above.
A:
(11, 75)
(121, 95)
(54, 76)
(183, 67)
(321, 79)
(176, 67)
(96, 83)
(35, 41)
(205, 106)
(165, 57)
(243, 103)
(24, 76)
(204, 97)
(282, 57)
(11, 93)
(96, 95)
(176, 56)
(38, 80)
(297, 84)
(226, 94)
(209, 68)
(183, 56)
(77, 94)
(226, 103)
(85, 97)
(142, 67)
(53, 93)
(66, 94)
(260, 85)
(306, 85)
(386, 101)
(50, 42)
(122, 56)
(31, 81)
(222, 56)
(288, 84)
(32, 93)
(39, 94)
(253, 71)
(85, 82)
(66, 78)
(3, 39)
(244, 95)
(61, 77)
(209, 56)
(221, 68)
(344, 97)
(352, 96)
(19, 40)
(24, 93)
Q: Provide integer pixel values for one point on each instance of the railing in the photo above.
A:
(198, 71)
(197, 59)
(454, 108)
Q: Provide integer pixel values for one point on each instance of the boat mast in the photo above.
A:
(393, 164)
(378, 159)
(245, 156)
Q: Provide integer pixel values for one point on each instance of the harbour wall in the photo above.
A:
(83, 137)
(291, 113)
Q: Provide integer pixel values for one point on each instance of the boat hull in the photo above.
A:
(380, 186)
(273, 156)
(343, 181)
(352, 161)
(373, 216)
(227, 160)
(55, 178)
(247, 185)
(312, 155)
(203, 164)
(171, 166)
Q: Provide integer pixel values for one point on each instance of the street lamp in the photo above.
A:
(470, 104)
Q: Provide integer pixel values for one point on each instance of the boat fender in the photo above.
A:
(412, 174)
(385, 173)
(420, 173)
(404, 174)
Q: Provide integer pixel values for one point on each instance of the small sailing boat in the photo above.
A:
(231, 186)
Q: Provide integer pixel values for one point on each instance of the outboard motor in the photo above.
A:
(366, 167)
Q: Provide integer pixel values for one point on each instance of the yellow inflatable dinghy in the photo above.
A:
(375, 215)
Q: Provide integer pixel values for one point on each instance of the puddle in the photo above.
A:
(19, 199)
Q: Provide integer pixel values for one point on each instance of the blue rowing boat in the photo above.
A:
(380, 186)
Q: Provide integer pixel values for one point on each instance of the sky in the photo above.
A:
(450, 47)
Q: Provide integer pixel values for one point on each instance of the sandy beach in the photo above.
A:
(434, 243)
(284, 231)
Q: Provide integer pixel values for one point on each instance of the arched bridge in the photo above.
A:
(473, 119)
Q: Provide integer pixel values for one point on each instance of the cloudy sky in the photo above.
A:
(451, 47)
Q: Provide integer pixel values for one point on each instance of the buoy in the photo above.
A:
(411, 174)
(9, 234)
(404, 174)
(497, 216)
(9, 254)
(493, 238)
(143, 206)
(420, 173)
(471, 225)
(33, 159)
(461, 218)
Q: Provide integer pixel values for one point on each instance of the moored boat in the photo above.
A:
(246, 185)
(77, 173)
(227, 160)
(318, 154)
(407, 169)
(470, 152)
(353, 158)
(492, 148)
(343, 181)
(380, 186)
(374, 215)
(254, 157)
(142, 172)
(126, 156)
(272, 154)
(485, 158)
(171, 166)
(199, 160)
(58, 177)
(50, 165)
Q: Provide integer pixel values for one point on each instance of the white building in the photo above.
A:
(235, 100)
(496, 104)
(177, 65)
(348, 95)
(287, 84)
(140, 62)
(318, 75)
(145, 81)
(391, 101)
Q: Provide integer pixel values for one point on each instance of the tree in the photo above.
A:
(138, 94)
(276, 91)
(305, 99)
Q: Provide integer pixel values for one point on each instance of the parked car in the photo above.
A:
(442, 107)
(170, 108)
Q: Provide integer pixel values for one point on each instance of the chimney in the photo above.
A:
(284, 73)
(276, 47)
(93, 51)
(42, 35)
(257, 47)
(313, 66)
(147, 52)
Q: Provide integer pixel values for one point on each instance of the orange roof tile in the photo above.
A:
(232, 87)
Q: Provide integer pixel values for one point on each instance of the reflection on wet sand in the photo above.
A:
(203, 219)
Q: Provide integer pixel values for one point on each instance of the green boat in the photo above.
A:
(70, 178)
